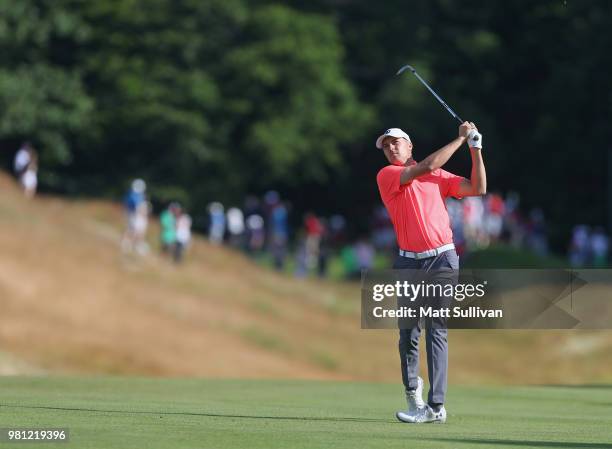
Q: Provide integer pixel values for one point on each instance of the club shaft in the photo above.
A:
(442, 102)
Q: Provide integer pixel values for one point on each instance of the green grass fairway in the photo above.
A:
(178, 413)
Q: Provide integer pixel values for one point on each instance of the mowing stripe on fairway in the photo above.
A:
(212, 415)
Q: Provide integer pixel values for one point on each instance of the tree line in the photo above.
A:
(217, 98)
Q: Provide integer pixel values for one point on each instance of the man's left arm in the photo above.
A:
(477, 184)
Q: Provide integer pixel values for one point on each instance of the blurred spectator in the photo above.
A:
(383, 235)
(279, 234)
(216, 229)
(314, 230)
(167, 221)
(337, 228)
(270, 201)
(349, 262)
(256, 234)
(536, 233)
(324, 249)
(141, 224)
(473, 216)
(512, 202)
(301, 262)
(364, 254)
(22, 159)
(495, 210)
(579, 247)
(135, 196)
(235, 227)
(26, 169)
(513, 222)
(183, 236)
(137, 215)
(599, 245)
(29, 180)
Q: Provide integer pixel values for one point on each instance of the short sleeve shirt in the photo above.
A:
(417, 209)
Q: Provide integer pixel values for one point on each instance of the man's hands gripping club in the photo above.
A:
(470, 132)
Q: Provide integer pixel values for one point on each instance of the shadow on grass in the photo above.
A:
(210, 415)
(526, 443)
(585, 386)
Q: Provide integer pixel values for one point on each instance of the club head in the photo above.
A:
(404, 68)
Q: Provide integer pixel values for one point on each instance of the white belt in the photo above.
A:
(429, 253)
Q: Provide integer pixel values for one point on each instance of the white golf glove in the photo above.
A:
(475, 139)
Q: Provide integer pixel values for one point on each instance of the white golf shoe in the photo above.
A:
(414, 398)
(426, 415)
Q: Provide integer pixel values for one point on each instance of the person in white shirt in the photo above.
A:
(26, 168)
(22, 159)
(183, 236)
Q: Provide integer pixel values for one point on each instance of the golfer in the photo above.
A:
(414, 193)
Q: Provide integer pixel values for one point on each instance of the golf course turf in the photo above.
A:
(121, 412)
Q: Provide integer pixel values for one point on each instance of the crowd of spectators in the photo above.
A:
(263, 228)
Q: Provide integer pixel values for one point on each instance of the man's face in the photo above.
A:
(397, 150)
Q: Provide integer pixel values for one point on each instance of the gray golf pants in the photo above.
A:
(436, 338)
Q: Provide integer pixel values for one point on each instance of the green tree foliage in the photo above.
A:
(290, 103)
(203, 99)
(42, 97)
(150, 66)
(211, 99)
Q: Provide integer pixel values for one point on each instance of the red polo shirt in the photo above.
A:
(417, 209)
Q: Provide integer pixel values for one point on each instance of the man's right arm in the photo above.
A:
(437, 159)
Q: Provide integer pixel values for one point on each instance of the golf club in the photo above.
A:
(442, 102)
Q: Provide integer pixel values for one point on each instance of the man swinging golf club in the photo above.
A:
(414, 193)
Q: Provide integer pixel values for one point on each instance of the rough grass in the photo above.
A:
(71, 303)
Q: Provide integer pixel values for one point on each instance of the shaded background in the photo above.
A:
(211, 100)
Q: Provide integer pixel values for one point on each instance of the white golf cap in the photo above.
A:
(139, 186)
(391, 132)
